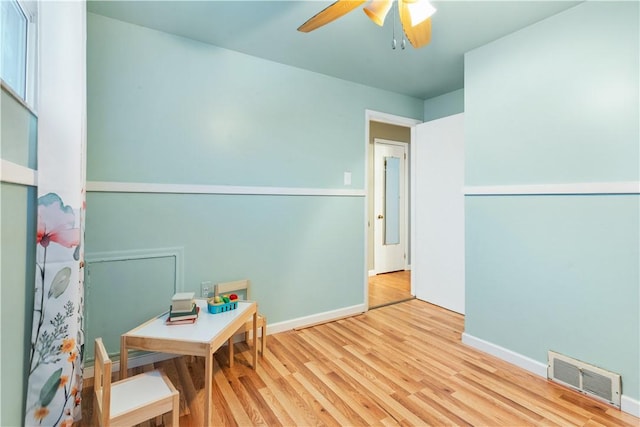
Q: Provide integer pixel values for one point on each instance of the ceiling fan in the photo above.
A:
(415, 16)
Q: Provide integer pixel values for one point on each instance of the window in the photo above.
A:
(17, 65)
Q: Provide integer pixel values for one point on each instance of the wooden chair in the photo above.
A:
(132, 400)
(239, 287)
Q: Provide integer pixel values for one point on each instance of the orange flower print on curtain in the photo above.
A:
(55, 360)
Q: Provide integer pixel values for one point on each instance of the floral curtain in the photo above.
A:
(57, 338)
(53, 394)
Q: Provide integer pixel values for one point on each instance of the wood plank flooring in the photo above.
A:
(398, 365)
(389, 288)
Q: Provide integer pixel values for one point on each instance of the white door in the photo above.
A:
(437, 259)
(390, 204)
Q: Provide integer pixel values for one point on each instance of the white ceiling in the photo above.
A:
(351, 48)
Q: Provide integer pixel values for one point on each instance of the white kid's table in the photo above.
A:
(201, 338)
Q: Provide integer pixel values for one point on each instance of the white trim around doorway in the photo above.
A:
(377, 116)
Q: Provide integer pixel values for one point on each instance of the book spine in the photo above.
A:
(185, 315)
(180, 322)
(182, 307)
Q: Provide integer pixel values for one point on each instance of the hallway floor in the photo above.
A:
(389, 288)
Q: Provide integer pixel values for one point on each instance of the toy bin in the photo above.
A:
(222, 307)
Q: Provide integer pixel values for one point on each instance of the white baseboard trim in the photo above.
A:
(507, 355)
(372, 273)
(315, 319)
(145, 187)
(627, 404)
(630, 406)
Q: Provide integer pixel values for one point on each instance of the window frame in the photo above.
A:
(29, 9)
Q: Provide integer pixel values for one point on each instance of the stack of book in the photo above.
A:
(183, 309)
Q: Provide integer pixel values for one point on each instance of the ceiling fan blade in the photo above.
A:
(418, 35)
(329, 14)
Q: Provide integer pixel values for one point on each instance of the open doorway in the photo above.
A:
(387, 285)
(389, 288)
(391, 208)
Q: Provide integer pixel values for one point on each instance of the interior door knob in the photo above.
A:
(380, 216)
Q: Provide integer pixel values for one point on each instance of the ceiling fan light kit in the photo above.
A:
(377, 10)
(414, 16)
(419, 10)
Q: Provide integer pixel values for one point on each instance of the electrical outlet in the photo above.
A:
(206, 288)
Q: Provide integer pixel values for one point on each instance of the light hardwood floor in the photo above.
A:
(389, 288)
(402, 364)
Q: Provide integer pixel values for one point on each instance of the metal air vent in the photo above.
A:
(585, 378)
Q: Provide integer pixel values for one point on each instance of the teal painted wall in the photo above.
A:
(563, 101)
(444, 105)
(17, 228)
(557, 103)
(164, 109)
(18, 132)
(17, 259)
(168, 109)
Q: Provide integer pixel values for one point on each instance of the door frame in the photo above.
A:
(377, 116)
(405, 199)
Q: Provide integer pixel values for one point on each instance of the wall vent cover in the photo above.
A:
(585, 378)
